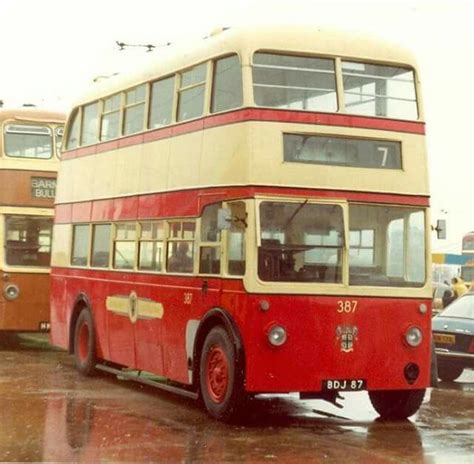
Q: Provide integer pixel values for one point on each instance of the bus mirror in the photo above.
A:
(441, 229)
(224, 219)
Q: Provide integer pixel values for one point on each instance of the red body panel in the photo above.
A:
(190, 202)
(312, 353)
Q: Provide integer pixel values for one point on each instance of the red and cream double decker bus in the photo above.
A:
(29, 159)
(251, 216)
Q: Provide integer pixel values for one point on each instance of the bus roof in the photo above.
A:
(30, 114)
(245, 41)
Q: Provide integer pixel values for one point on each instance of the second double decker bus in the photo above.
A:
(467, 269)
(251, 216)
(29, 157)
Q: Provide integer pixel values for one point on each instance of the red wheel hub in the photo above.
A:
(83, 345)
(217, 373)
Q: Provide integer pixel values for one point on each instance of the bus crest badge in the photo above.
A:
(347, 334)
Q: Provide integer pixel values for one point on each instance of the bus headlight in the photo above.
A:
(11, 292)
(277, 335)
(413, 336)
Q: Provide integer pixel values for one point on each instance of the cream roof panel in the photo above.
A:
(32, 115)
(245, 41)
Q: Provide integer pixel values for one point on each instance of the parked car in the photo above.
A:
(453, 336)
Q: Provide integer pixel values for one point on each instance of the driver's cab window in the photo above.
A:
(236, 239)
(210, 241)
(300, 242)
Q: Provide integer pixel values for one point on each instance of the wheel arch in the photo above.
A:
(213, 318)
(82, 301)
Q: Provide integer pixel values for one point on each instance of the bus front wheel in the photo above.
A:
(396, 404)
(84, 344)
(220, 380)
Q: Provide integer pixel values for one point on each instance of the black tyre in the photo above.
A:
(220, 379)
(396, 404)
(449, 372)
(84, 344)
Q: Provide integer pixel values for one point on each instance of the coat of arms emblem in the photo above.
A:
(347, 334)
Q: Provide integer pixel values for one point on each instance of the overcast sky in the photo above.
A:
(52, 49)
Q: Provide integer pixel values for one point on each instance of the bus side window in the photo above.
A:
(80, 245)
(210, 249)
(151, 247)
(236, 240)
(180, 246)
(125, 245)
(100, 245)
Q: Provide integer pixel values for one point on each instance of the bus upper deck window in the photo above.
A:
(227, 84)
(375, 90)
(90, 119)
(294, 82)
(110, 124)
(72, 140)
(161, 105)
(28, 141)
(191, 93)
(134, 114)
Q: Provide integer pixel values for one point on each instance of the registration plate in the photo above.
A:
(44, 326)
(344, 385)
(445, 339)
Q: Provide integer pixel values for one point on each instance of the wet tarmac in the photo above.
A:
(50, 413)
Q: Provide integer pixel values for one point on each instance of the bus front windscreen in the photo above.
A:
(300, 242)
(28, 241)
(304, 242)
(386, 246)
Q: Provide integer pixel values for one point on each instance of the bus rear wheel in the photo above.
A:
(84, 344)
(219, 378)
(396, 404)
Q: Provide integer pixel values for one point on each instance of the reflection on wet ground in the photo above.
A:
(50, 413)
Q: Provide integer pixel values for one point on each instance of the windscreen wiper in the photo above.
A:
(300, 207)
